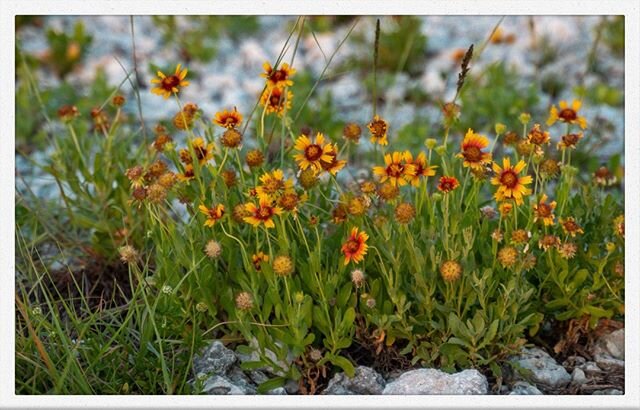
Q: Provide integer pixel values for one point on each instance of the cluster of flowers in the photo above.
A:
(276, 194)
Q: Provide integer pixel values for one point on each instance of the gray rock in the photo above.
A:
(544, 369)
(432, 381)
(574, 361)
(608, 363)
(216, 359)
(608, 352)
(221, 385)
(590, 368)
(365, 381)
(291, 387)
(611, 345)
(240, 379)
(578, 376)
(614, 392)
(525, 389)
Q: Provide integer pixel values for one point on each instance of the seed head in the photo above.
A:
(358, 278)
(255, 158)
(128, 254)
(244, 301)
(450, 270)
(231, 138)
(213, 249)
(405, 212)
(508, 256)
(283, 265)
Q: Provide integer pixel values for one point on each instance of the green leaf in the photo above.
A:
(252, 365)
(344, 364)
(348, 319)
(271, 384)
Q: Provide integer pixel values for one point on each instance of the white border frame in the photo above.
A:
(629, 8)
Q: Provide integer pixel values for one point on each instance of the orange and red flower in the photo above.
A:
(471, 150)
(171, 84)
(511, 184)
(355, 247)
(213, 214)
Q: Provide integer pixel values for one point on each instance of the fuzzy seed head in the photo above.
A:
(213, 249)
(255, 158)
(128, 254)
(283, 265)
(308, 178)
(405, 212)
(352, 132)
(450, 271)
(244, 301)
(358, 278)
(231, 138)
(508, 256)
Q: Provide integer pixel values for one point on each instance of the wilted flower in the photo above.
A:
(570, 141)
(231, 138)
(378, 129)
(405, 212)
(543, 211)
(548, 241)
(567, 250)
(570, 226)
(352, 132)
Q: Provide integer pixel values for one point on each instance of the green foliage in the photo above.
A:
(401, 49)
(613, 35)
(66, 51)
(198, 39)
(196, 270)
(495, 95)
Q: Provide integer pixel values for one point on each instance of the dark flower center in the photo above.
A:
(395, 170)
(472, 154)
(568, 114)
(509, 179)
(313, 152)
(544, 210)
(201, 152)
(379, 128)
(278, 75)
(264, 213)
(168, 83)
(353, 246)
(570, 140)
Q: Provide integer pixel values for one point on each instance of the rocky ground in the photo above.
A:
(533, 371)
